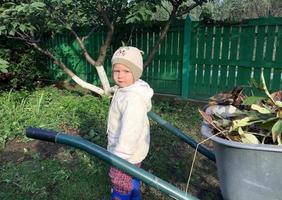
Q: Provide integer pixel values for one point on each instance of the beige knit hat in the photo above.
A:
(130, 57)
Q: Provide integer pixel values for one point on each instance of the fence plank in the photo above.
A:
(245, 55)
(215, 57)
(279, 46)
(224, 58)
(269, 44)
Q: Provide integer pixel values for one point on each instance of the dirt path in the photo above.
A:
(18, 151)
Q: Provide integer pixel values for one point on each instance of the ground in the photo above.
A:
(204, 185)
(169, 158)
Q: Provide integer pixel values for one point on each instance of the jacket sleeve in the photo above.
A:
(134, 119)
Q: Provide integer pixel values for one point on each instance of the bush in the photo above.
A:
(26, 69)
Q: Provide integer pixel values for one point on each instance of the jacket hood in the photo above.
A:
(141, 88)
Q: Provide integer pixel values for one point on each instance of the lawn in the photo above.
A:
(32, 169)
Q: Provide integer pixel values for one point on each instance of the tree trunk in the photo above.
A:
(100, 68)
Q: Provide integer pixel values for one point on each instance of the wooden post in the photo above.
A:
(186, 57)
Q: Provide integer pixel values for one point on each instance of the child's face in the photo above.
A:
(122, 75)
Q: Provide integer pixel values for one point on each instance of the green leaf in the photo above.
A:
(250, 139)
(2, 28)
(68, 1)
(261, 109)
(22, 27)
(12, 32)
(244, 122)
(265, 88)
(251, 100)
(4, 70)
(14, 24)
(3, 65)
(38, 4)
(254, 83)
(279, 139)
(223, 123)
(247, 137)
(278, 103)
(276, 130)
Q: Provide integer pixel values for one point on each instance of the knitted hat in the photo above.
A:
(131, 57)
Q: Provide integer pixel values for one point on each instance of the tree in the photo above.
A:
(30, 20)
(237, 10)
(178, 8)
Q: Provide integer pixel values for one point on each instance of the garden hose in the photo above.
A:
(103, 154)
(203, 150)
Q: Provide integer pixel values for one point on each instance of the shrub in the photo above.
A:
(27, 69)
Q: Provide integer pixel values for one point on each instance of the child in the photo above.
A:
(128, 124)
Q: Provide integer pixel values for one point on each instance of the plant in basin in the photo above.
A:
(247, 119)
(246, 133)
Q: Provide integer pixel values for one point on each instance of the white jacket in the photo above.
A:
(128, 125)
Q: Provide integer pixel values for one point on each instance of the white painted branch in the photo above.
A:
(104, 79)
(88, 86)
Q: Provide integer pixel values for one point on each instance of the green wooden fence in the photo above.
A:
(164, 73)
(223, 56)
(195, 60)
(66, 48)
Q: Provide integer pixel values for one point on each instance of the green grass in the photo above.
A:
(71, 174)
(54, 179)
(50, 108)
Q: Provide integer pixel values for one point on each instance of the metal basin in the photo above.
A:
(247, 171)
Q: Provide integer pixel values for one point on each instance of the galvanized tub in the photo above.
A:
(247, 171)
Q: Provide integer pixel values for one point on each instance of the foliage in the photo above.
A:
(35, 18)
(30, 21)
(27, 71)
(49, 108)
(142, 11)
(160, 10)
(26, 67)
(248, 119)
(4, 56)
(237, 10)
(3, 66)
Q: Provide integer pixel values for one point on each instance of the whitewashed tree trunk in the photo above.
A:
(88, 86)
(104, 79)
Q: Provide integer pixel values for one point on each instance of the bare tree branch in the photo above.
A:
(22, 37)
(110, 32)
(56, 61)
(89, 34)
(191, 7)
(173, 15)
(162, 35)
(83, 48)
(98, 64)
